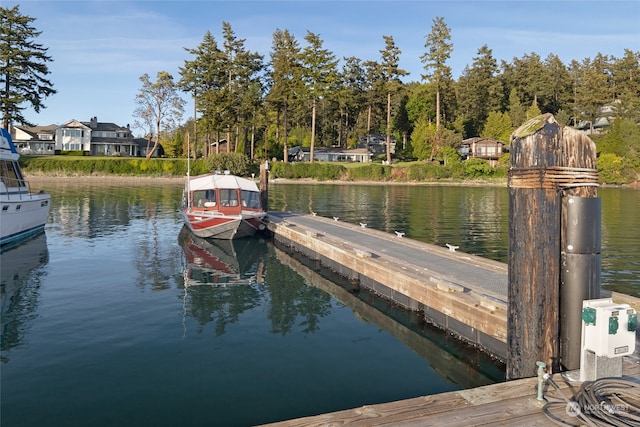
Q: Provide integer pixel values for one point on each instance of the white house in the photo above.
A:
(92, 138)
(34, 139)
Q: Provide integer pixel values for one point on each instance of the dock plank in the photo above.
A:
(511, 403)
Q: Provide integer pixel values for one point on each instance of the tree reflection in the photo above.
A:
(21, 275)
(224, 278)
(291, 298)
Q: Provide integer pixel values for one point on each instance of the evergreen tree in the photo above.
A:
(556, 87)
(391, 73)
(23, 67)
(594, 86)
(320, 76)
(533, 110)
(438, 52)
(204, 76)
(516, 112)
(350, 96)
(285, 77)
(626, 85)
(497, 126)
(242, 85)
(482, 91)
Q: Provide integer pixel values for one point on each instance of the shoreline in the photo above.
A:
(39, 179)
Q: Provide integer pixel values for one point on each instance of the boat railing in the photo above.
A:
(15, 187)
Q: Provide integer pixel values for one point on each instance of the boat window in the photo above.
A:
(250, 199)
(204, 198)
(228, 197)
(10, 174)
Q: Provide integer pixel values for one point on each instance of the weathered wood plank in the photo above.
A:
(509, 403)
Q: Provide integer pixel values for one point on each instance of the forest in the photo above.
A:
(302, 95)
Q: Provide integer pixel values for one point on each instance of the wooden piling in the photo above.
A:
(264, 186)
(547, 160)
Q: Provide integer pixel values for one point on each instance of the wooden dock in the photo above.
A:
(511, 403)
(462, 293)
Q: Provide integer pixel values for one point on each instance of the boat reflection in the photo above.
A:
(222, 279)
(20, 278)
(221, 262)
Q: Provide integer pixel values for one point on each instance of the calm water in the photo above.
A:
(115, 316)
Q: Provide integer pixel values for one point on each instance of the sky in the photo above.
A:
(101, 48)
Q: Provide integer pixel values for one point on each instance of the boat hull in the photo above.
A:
(212, 226)
(22, 216)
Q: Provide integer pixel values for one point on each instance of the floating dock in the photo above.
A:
(462, 293)
(459, 292)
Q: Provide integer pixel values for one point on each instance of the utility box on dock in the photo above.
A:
(608, 333)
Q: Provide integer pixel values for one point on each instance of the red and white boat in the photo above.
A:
(222, 206)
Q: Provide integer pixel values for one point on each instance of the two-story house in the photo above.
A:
(488, 149)
(96, 138)
(92, 138)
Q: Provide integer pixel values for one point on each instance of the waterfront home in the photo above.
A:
(488, 149)
(92, 138)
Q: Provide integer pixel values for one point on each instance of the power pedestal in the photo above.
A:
(608, 334)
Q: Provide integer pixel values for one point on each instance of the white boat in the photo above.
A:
(22, 213)
(222, 206)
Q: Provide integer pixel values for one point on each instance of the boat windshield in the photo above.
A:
(204, 198)
(10, 173)
(250, 199)
(228, 197)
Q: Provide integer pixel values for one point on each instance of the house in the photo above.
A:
(92, 138)
(34, 139)
(333, 154)
(604, 117)
(377, 143)
(483, 148)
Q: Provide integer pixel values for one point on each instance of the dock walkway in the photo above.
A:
(460, 292)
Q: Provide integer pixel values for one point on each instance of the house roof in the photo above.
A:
(36, 130)
(104, 126)
(477, 139)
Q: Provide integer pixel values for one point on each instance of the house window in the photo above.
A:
(72, 133)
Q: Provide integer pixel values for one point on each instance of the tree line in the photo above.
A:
(301, 94)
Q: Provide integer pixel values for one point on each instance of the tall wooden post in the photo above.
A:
(546, 161)
(264, 185)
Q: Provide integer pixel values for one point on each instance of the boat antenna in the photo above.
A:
(188, 172)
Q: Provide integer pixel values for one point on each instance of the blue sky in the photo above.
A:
(101, 48)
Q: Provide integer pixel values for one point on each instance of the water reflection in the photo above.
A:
(454, 360)
(21, 275)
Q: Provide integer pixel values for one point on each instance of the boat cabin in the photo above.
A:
(227, 194)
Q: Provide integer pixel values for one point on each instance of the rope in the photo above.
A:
(604, 402)
(552, 177)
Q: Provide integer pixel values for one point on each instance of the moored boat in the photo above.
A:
(222, 206)
(22, 213)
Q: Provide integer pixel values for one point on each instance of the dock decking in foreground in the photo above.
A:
(512, 403)
(462, 293)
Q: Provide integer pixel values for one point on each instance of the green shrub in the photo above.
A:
(321, 171)
(370, 172)
(236, 163)
(615, 170)
(474, 167)
(428, 172)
